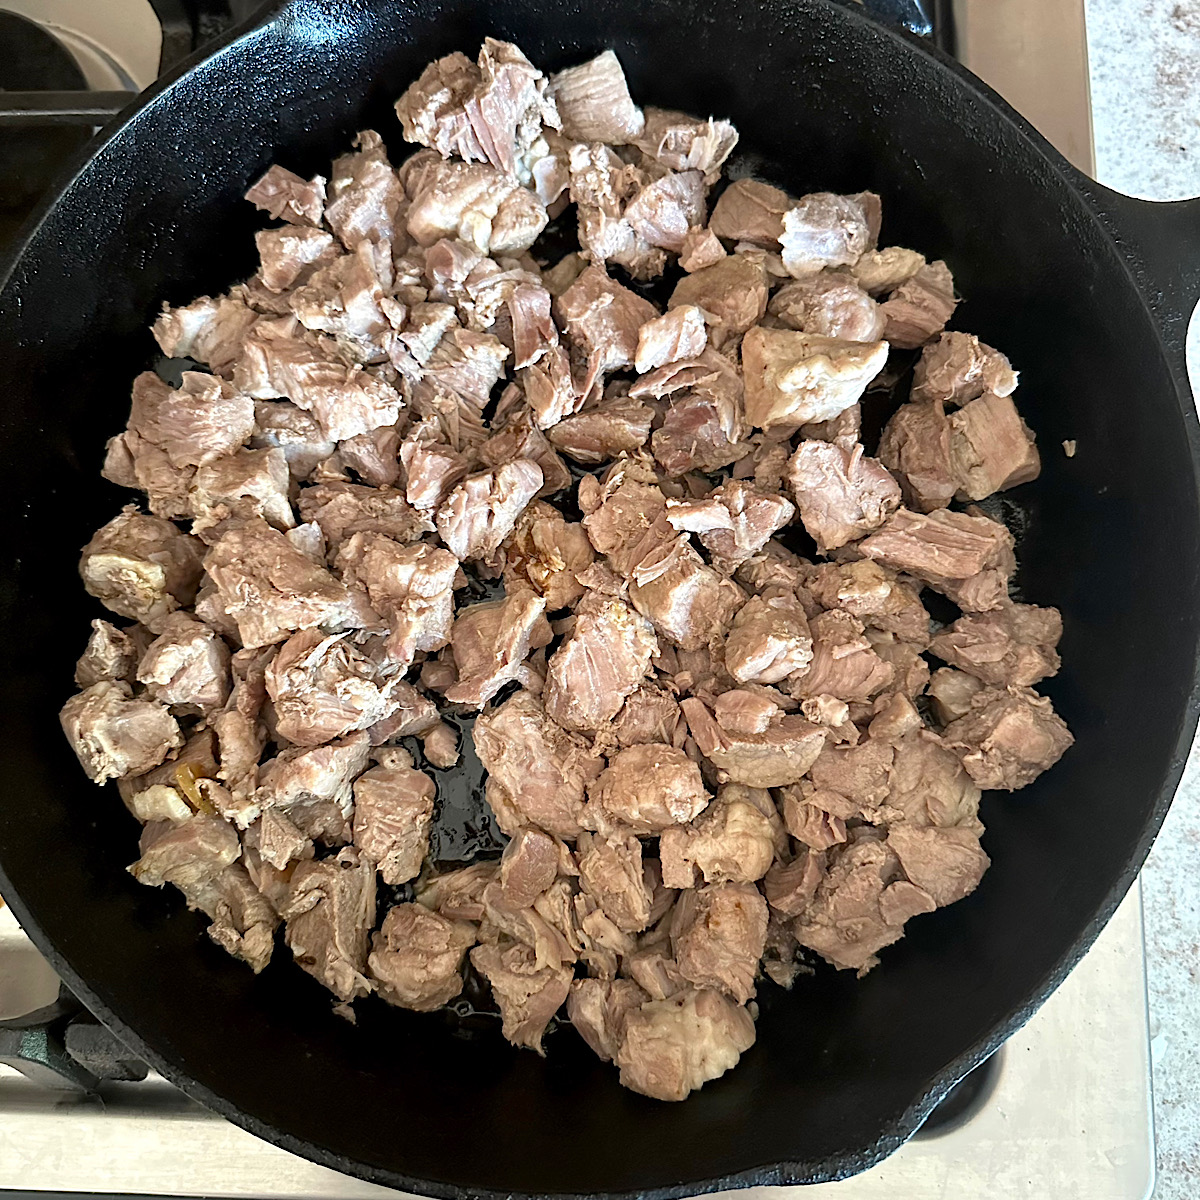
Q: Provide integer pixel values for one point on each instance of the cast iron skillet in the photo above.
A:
(1087, 291)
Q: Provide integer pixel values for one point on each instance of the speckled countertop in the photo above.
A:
(1145, 66)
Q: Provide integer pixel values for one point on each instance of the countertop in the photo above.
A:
(1145, 66)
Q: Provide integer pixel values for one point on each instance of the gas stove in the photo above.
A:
(1062, 1110)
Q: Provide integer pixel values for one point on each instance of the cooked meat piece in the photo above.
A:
(374, 456)
(628, 522)
(841, 493)
(114, 735)
(202, 419)
(243, 920)
(732, 293)
(279, 423)
(880, 271)
(678, 334)
(610, 870)
(895, 717)
(947, 864)
(776, 566)
(928, 785)
(602, 319)
(528, 997)
(1012, 646)
(718, 932)
(288, 253)
(547, 552)
(795, 378)
(329, 915)
(648, 787)
(683, 143)
(598, 1009)
(186, 666)
(951, 692)
(915, 447)
(845, 428)
(551, 947)
(431, 467)
(491, 641)
(825, 230)
(991, 448)
(238, 487)
(790, 887)
(873, 594)
(779, 756)
(732, 841)
(271, 589)
(919, 307)
(816, 819)
(549, 388)
(520, 438)
(478, 205)
(541, 768)
(700, 432)
(831, 304)
(957, 367)
(276, 841)
(427, 323)
(860, 773)
(482, 510)
(701, 248)
(112, 655)
(458, 895)
(742, 711)
(1008, 738)
(314, 786)
(345, 298)
(189, 854)
(364, 194)
(650, 714)
(416, 957)
(534, 332)
(528, 866)
(469, 363)
(666, 208)
(594, 102)
(287, 197)
(414, 713)
(141, 567)
(769, 639)
(844, 662)
(968, 558)
(750, 211)
(732, 522)
(132, 462)
(611, 428)
(689, 603)
(208, 331)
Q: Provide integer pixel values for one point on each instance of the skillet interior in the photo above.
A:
(843, 1070)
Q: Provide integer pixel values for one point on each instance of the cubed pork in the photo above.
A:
(114, 735)
(648, 787)
(417, 956)
(491, 641)
(842, 494)
(718, 933)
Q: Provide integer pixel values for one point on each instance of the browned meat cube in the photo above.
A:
(290, 253)
(919, 307)
(947, 864)
(650, 714)
(880, 271)
(769, 640)
(594, 102)
(796, 378)
(815, 818)
(243, 920)
(957, 367)
(951, 692)
(457, 895)
(648, 787)
(1012, 646)
(915, 447)
(777, 757)
(1008, 738)
(873, 594)
(610, 871)
(111, 655)
(345, 298)
(699, 432)
(468, 363)
(200, 420)
(547, 552)
(790, 887)
(732, 841)
(483, 510)
(750, 211)
(689, 603)
(678, 334)
(612, 427)
(440, 745)
(141, 567)
(742, 711)
(491, 641)
(330, 913)
(718, 933)
(673, 1046)
(860, 773)
(701, 249)
(416, 957)
(431, 467)
(732, 293)
(528, 996)
(968, 558)
(287, 197)
(991, 448)
(528, 866)
(186, 666)
(602, 319)
(271, 589)
(683, 143)
(541, 769)
(841, 493)
(598, 1009)
(393, 809)
(277, 423)
(314, 786)
(274, 840)
(549, 388)
(533, 328)
(732, 522)
(831, 304)
(115, 735)
(826, 230)
(627, 522)
(188, 854)
(602, 660)
(929, 786)
(666, 208)
(895, 717)
(207, 330)
(844, 662)
(238, 487)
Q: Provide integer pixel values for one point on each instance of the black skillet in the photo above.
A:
(1088, 292)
